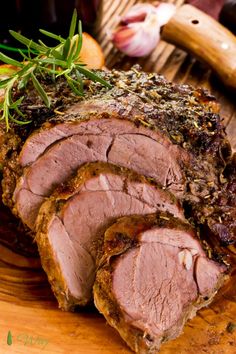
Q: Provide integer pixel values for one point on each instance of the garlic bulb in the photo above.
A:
(139, 30)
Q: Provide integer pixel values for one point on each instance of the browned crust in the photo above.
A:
(93, 169)
(124, 233)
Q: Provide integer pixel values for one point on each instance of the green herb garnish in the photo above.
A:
(9, 338)
(61, 60)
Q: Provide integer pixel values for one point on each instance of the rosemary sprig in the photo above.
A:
(61, 60)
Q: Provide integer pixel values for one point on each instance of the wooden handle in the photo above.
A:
(207, 39)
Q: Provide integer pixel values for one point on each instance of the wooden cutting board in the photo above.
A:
(27, 307)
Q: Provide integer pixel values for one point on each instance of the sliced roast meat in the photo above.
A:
(153, 276)
(71, 223)
(109, 140)
(162, 111)
(169, 132)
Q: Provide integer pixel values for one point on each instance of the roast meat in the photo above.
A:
(168, 132)
(71, 224)
(153, 276)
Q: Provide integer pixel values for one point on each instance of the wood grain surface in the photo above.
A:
(27, 307)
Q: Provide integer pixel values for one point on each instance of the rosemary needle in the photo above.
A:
(61, 60)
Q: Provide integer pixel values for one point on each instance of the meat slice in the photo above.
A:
(108, 140)
(153, 276)
(71, 223)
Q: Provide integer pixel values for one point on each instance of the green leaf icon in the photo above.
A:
(9, 338)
